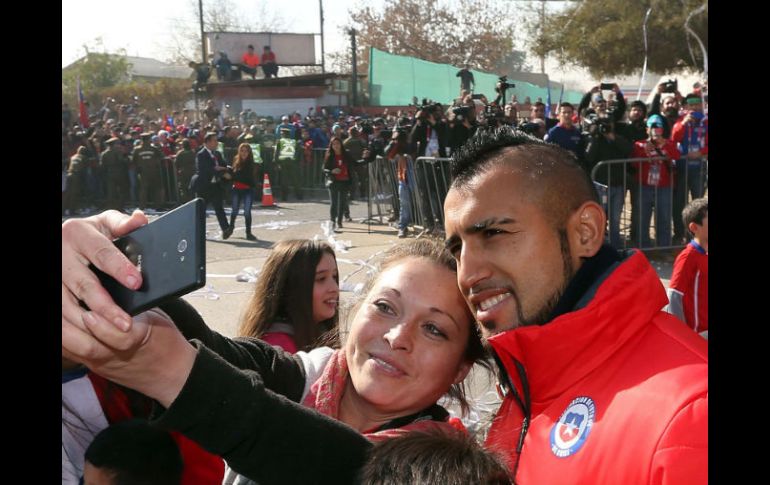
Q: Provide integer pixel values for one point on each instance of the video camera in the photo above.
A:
(670, 86)
(503, 84)
(598, 125)
(461, 113)
(493, 115)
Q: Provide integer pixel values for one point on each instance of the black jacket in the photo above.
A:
(600, 148)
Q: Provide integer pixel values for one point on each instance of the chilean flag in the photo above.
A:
(82, 107)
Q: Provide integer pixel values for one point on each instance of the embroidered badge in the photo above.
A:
(571, 430)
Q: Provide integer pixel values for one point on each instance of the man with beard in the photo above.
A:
(589, 363)
(667, 105)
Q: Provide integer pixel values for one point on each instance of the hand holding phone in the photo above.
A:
(170, 253)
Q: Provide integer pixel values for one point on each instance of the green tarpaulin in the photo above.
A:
(395, 80)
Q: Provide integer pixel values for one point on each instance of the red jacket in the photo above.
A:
(690, 279)
(618, 390)
(665, 168)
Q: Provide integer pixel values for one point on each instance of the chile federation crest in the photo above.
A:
(571, 430)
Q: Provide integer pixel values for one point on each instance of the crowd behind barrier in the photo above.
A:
(90, 183)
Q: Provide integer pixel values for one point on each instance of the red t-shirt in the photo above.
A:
(338, 163)
(268, 57)
(251, 60)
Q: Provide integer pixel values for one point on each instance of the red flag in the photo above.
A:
(82, 106)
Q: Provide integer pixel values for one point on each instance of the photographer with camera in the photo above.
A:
(462, 124)
(594, 102)
(604, 143)
(428, 138)
(666, 103)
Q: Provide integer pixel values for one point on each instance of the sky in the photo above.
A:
(141, 27)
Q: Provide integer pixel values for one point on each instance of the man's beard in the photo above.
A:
(543, 315)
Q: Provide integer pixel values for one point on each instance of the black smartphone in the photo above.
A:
(607, 86)
(171, 255)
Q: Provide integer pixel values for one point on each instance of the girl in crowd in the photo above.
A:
(295, 299)
(243, 172)
(337, 164)
(412, 339)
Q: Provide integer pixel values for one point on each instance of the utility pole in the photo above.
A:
(203, 37)
(542, 23)
(321, 9)
(352, 33)
(203, 59)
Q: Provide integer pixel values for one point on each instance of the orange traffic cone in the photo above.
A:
(267, 193)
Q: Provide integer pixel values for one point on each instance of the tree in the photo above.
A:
(478, 32)
(96, 70)
(606, 36)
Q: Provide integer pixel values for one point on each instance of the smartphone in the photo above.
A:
(607, 86)
(171, 255)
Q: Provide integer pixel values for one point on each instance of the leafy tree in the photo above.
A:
(606, 36)
(96, 70)
(478, 32)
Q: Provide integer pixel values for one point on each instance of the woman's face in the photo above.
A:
(408, 340)
(244, 151)
(326, 290)
(337, 146)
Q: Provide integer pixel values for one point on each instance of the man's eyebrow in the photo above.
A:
(478, 227)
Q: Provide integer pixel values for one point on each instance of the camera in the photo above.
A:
(461, 113)
(493, 115)
(670, 86)
(503, 84)
(598, 125)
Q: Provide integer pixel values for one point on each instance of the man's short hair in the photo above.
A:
(558, 184)
(639, 104)
(250, 47)
(567, 105)
(136, 452)
(695, 211)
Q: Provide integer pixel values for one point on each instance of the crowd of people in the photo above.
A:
(587, 360)
(137, 160)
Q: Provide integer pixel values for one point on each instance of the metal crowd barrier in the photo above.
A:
(433, 180)
(431, 183)
(637, 197)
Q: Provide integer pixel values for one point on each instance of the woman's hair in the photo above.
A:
(434, 251)
(330, 151)
(243, 163)
(284, 293)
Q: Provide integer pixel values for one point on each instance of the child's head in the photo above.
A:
(695, 217)
(436, 457)
(132, 452)
(298, 285)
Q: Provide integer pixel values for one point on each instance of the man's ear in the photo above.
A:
(692, 227)
(586, 230)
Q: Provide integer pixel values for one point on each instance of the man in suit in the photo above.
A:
(209, 168)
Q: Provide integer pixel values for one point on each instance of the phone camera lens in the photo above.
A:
(182, 246)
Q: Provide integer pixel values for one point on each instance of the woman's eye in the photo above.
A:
(383, 307)
(434, 330)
